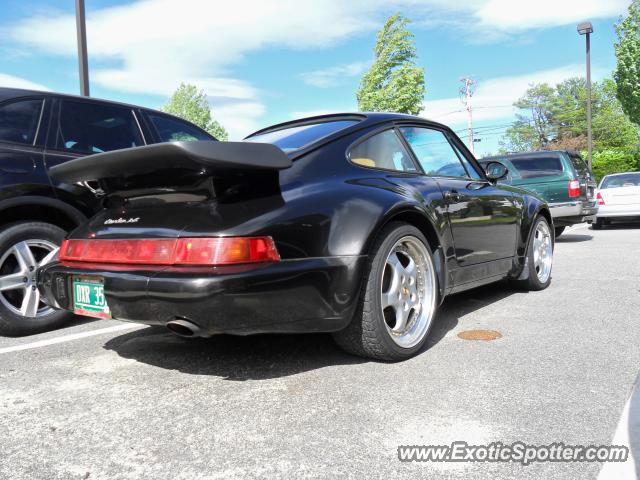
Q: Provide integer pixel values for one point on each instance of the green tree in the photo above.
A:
(191, 104)
(627, 73)
(393, 83)
(533, 128)
(555, 118)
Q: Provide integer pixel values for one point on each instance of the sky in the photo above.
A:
(266, 61)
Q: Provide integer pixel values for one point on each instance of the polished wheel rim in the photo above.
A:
(408, 292)
(18, 266)
(542, 252)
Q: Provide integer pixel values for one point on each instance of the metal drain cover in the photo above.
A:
(479, 335)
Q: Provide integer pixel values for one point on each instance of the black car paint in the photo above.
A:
(324, 221)
(24, 181)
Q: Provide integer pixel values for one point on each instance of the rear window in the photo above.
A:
(172, 130)
(294, 138)
(537, 166)
(581, 166)
(88, 127)
(624, 180)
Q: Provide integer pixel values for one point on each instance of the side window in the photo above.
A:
(172, 130)
(473, 173)
(383, 150)
(93, 128)
(434, 152)
(19, 121)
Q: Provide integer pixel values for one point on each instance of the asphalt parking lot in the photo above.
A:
(92, 401)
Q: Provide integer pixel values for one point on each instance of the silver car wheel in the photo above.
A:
(408, 292)
(542, 251)
(18, 290)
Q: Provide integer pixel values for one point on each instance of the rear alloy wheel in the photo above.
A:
(24, 247)
(399, 299)
(558, 231)
(539, 261)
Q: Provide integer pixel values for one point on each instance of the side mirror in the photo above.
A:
(495, 171)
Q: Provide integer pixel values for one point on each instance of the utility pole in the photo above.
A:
(466, 92)
(586, 29)
(81, 29)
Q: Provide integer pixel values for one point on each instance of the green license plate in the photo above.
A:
(88, 297)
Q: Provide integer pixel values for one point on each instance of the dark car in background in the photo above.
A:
(354, 224)
(39, 130)
(561, 178)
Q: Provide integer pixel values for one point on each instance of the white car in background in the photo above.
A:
(619, 198)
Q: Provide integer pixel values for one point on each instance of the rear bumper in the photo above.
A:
(570, 213)
(308, 295)
(611, 211)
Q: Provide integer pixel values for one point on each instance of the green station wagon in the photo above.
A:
(561, 178)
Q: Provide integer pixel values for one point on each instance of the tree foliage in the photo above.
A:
(614, 160)
(556, 118)
(393, 83)
(191, 104)
(627, 72)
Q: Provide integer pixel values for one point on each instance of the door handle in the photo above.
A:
(452, 196)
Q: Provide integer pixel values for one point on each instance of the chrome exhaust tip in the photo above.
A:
(184, 328)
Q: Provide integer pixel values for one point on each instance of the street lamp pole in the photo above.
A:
(82, 48)
(587, 29)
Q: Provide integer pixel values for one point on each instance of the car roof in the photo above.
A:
(619, 173)
(537, 154)
(7, 93)
(363, 118)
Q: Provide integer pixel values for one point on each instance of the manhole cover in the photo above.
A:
(479, 335)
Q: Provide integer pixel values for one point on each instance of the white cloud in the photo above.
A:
(493, 98)
(518, 16)
(333, 76)
(150, 46)
(11, 81)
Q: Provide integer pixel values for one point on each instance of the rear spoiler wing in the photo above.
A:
(206, 158)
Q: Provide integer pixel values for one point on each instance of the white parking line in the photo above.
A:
(627, 431)
(69, 338)
(576, 227)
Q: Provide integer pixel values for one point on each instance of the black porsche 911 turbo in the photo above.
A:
(356, 224)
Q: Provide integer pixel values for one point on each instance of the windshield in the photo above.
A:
(624, 180)
(294, 138)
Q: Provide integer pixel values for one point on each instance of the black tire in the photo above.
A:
(12, 323)
(367, 335)
(558, 231)
(529, 280)
(598, 224)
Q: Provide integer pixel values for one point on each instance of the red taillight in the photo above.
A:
(177, 251)
(574, 188)
(600, 199)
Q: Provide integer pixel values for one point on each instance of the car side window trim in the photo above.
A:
(377, 131)
(448, 139)
(140, 129)
(466, 160)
